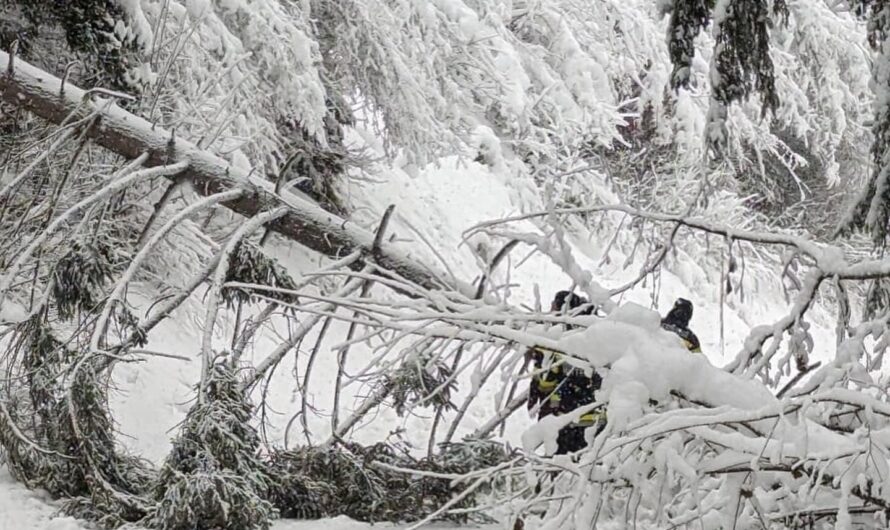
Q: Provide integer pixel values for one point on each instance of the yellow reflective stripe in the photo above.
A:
(689, 346)
(546, 384)
(593, 417)
(547, 350)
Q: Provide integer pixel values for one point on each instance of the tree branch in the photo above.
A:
(32, 89)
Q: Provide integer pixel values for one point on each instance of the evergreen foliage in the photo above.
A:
(71, 419)
(315, 167)
(248, 264)
(688, 18)
(97, 32)
(741, 64)
(742, 57)
(42, 356)
(872, 210)
(79, 276)
(347, 478)
(523, 85)
(213, 478)
(421, 381)
(113, 485)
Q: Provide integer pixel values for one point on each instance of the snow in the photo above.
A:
(435, 205)
(141, 25)
(646, 363)
(434, 209)
(24, 509)
(345, 523)
(197, 8)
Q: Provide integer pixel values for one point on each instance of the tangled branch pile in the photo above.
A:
(240, 119)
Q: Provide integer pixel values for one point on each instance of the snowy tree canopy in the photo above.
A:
(270, 195)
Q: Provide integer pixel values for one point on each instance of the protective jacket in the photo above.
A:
(689, 339)
(560, 388)
(677, 321)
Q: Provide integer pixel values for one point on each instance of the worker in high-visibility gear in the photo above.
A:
(677, 321)
(559, 388)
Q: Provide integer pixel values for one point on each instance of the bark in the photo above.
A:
(128, 135)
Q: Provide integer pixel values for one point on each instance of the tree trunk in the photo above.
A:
(30, 88)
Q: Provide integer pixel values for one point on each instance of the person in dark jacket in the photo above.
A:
(677, 321)
(558, 388)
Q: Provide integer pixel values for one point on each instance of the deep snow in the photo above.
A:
(433, 208)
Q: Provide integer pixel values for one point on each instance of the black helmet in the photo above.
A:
(567, 301)
(680, 314)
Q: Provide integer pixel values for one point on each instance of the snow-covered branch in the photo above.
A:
(130, 136)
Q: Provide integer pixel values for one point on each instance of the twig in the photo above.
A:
(108, 190)
(216, 287)
(156, 210)
(305, 326)
(304, 402)
(121, 284)
(457, 498)
(797, 378)
(13, 48)
(344, 351)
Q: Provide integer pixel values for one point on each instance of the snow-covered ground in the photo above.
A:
(434, 207)
(23, 509)
(345, 523)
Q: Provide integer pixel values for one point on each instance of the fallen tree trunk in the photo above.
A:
(28, 87)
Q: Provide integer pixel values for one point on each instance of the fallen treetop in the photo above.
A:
(28, 87)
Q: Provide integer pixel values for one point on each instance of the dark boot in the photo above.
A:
(570, 439)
